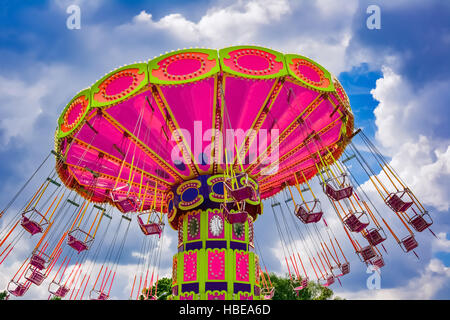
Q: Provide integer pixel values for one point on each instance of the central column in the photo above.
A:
(215, 259)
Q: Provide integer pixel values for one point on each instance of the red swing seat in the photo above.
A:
(377, 261)
(97, 295)
(303, 285)
(336, 190)
(419, 223)
(235, 217)
(397, 201)
(32, 225)
(35, 276)
(19, 289)
(127, 205)
(354, 221)
(329, 280)
(74, 240)
(150, 228)
(366, 253)
(124, 202)
(374, 236)
(345, 268)
(313, 215)
(408, 243)
(39, 260)
(268, 294)
(58, 289)
(242, 192)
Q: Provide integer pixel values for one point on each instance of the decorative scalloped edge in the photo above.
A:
(243, 293)
(153, 65)
(211, 185)
(216, 292)
(289, 57)
(95, 87)
(224, 54)
(186, 294)
(61, 134)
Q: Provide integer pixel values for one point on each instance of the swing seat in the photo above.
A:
(303, 285)
(97, 295)
(18, 290)
(329, 280)
(268, 295)
(377, 261)
(32, 225)
(374, 236)
(150, 228)
(39, 260)
(74, 240)
(123, 202)
(312, 215)
(241, 193)
(355, 222)
(35, 276)
(336, 190)
(419, 223)
(366, 253)
(345, 268)
(127, 205)
(58, 290)
(396, 203)
(235, 217)
(338, 194)
(61, 292)
(408, 243)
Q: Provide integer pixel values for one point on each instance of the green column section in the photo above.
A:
(202, 259)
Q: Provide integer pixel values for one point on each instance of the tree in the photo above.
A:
(4, 295)
(163, 291)
(284, 290)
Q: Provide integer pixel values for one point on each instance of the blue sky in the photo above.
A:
(397, 78)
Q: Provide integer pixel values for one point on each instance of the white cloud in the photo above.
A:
(25, 98)
(321, 31)
(441, 244)
(432, 279)
(236, 23)
(411, 130)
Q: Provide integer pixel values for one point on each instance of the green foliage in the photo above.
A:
(55, 298)
(284, 290)
(3, 295)
(164, 290)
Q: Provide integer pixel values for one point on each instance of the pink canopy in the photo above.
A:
(153, 125)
